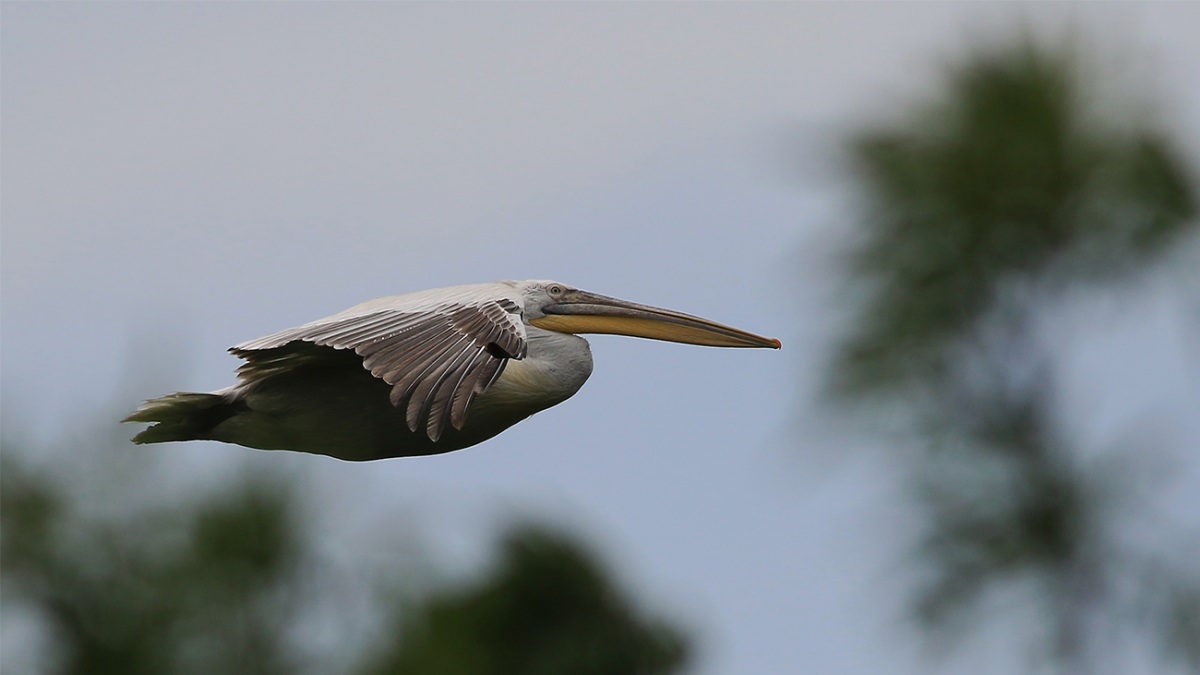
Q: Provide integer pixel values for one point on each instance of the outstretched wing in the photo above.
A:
(437, 357)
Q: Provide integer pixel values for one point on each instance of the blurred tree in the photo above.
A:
(105, 573)
(182, 588)
(546, 609)
(986, 204)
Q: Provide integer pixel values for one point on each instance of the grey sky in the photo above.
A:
(205, 173)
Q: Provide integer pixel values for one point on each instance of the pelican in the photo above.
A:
(418, 374)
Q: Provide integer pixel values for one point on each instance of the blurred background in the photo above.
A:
(974, 227)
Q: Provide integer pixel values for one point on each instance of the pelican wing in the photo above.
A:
(436, 357)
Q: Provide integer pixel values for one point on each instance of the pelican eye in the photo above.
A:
(555, 290)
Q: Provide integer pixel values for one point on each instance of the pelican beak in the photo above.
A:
(583, 312)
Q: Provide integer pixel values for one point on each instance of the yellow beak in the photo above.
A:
(583, 312)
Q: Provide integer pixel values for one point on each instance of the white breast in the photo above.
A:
(555, 368)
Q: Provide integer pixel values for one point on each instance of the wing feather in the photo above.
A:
(456, 398)
(420, 400)
(421, 362)
(352, 333)
(437, 356)
(435, 414)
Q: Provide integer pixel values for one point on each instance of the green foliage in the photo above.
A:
(546, 609)
(182, 588)
(120, 577)
(1015, 183)
(1012, 173)
(1010, 503)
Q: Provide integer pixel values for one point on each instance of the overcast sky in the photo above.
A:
(179, 177)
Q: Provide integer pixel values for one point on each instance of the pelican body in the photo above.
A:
(418, 374)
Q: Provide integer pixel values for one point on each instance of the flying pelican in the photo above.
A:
(418, 374)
